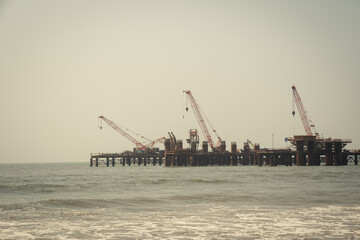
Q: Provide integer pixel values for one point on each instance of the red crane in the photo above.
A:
(306, 121)
(200, 119)
(133, 140)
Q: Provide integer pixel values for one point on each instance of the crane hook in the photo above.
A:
(100, 124)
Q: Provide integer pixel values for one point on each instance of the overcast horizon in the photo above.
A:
(64, 63)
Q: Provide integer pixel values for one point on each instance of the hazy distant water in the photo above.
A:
(74, 201)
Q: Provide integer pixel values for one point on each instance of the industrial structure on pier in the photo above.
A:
(306, 150)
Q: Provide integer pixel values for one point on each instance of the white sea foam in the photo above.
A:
(216, 222)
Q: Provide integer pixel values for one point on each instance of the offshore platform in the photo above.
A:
(305, 150)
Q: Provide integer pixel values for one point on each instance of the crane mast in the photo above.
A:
(305, 119)
(200, 119)
(133, 140)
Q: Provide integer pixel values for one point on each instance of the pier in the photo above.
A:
(306, 151)
(126, 159)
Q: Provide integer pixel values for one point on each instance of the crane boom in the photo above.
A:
(122, 132)
(151, 145)
(200, 119)
(250, 143)
(305, 119)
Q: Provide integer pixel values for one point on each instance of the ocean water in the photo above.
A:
(75, 201)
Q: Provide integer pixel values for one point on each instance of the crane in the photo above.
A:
(199, 116)
(306, 121)
(250, 143)
(129, 137)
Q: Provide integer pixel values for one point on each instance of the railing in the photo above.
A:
(104, 154)
(337, 140)
(352, 150)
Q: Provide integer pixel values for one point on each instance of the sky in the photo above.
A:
(64, 63)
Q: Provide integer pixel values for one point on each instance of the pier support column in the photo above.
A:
(256, 159)
(356, 160)
(191, 160)
(261, 160)
(317, 158)
(96, 162)
(224, 160)
(251, 159)
(91, 162)
(329, 158)
(218, 160)
(290, 159)
(107, 161)
(344, 159)
(234, 160)
(267, 160)
(167, 160)
(197, 160)
(174, 160)
(272, 160)
(338, 155)
(311, 153)
(246, 159)
(300, 154)
(206, 159)
(276, 160)
(123, 161)
(113, 162)
(180, 160)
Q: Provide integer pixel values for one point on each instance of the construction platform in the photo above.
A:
(309, 150)
(306, 151)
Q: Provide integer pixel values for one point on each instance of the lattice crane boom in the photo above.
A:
(305, 119)
(122, 132)
(200, 119)
(151, 145)
(250, 142)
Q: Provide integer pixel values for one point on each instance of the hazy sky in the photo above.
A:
(63, 63)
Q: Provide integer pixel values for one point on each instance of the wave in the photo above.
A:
(209, 181)
(168, 180)
(126, 203)
(37, 187)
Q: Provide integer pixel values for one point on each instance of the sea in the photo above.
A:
(76, 201)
